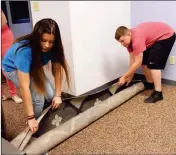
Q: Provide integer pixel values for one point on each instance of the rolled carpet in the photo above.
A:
(54, 137)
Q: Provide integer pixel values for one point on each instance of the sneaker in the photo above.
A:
(17, 99)
(154, 97)
(148, 85)
(3, 97)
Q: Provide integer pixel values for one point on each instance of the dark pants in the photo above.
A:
(155, 57)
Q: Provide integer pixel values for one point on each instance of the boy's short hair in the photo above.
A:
(121, 31)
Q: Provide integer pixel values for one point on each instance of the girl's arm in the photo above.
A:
(3, 19)
(57, 78)
(24, 82)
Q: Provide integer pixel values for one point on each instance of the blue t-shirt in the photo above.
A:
(22, 59)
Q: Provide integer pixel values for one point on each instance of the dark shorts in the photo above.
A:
(155, 57)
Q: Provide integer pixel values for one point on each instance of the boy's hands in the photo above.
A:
(121, 81)
(129, 80)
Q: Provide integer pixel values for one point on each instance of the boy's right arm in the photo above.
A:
(24, 82)
(131, 59)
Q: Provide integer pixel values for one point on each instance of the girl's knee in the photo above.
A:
(49, 90)
(38, 104)
(50, 93)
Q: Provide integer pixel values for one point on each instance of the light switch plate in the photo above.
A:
(172, 60)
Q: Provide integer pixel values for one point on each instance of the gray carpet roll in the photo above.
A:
(23, 138)
(54, 137)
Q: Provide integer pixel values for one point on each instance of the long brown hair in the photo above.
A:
(58, 60)
(121, 31)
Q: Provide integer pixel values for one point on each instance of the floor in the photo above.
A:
(133, 128)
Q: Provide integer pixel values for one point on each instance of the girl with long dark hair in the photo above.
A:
(24, 64)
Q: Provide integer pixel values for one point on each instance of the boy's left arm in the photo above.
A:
(136, 64)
